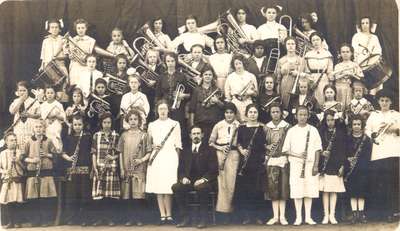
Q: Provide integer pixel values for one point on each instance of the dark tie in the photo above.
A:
(195, 150)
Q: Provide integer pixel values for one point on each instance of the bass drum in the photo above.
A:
(376, 71)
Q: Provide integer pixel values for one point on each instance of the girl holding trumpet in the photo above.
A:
(383, 127)
(206, 103)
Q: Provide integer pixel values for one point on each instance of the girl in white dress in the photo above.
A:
(303, 146)
(162, 171)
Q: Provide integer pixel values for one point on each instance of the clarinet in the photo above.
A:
(246, 158)
(39, 165)
(161, 145)
(328, 149)
(276, 145)
(303, 167)
(74, 157)
(133, 167)
(222, 166)
(354, 160)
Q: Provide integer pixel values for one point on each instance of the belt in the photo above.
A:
(319, 71)
(43, 172)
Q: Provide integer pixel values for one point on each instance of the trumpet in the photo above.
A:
(189, 72)
(146, 74)
(378, 138)
(98, 106)
(233, 33)
(242, 93)
(180, 89)
(116, 85)
(148, 41)
(217, 93)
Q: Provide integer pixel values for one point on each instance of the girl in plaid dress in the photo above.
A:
(19, 108)
(106, 183)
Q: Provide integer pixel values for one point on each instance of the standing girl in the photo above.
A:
(267, 96)
(290, 68)
(277, 165)
(88, 76)
(205, 103)
(11, 169)
(345, 73)
(106, 182)
(331, 165)
(52, 112)
(134, 153)
(319, 65)
(240, 86)
(134, 99)
(303, 146)
(25, 110)
(223, 138)
(98, 97)
(359, 147)
(40, 189)
(220, 61)
(249, 185)
(76, 153)
(162, 172)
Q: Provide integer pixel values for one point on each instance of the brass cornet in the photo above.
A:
(180, 89)
(217, 93)
(380, 135)
(242, 93)
(98, 106)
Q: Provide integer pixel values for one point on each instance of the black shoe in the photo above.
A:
(362, 217)
(139, 223)
(162, 221)
(170, 221)
(202, 224)
(184, 223)
(354, 215)
(98, 223)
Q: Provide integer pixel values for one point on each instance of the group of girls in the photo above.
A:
(292, 133)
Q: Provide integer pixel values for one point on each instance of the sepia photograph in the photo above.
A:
(199, 114)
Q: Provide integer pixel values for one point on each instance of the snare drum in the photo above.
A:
(52, 74)
(376, 71)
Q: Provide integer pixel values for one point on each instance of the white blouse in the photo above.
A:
(189, 39)
(221, 63)
(389, 145)
(50, 47)
(235, 83)
(364, 45)
(272, 30)
(295, 143)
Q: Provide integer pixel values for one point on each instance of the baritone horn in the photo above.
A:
(98, 106)
(116, 85)
(233, 32)
(146, 41)
(189, 72)
(180, 89)
(146, 74)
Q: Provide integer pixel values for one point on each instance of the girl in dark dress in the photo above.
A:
(331, 164)
(76, 154)
(266, 97)
(249, 184)
(359, 148)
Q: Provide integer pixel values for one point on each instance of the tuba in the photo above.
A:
(146, 41)
(233, 32)
(148, 76)
(116, 85)
(180, 89)
(98, 106)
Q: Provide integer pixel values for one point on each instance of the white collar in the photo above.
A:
(196, 146)
(282, 124)
(355, 101)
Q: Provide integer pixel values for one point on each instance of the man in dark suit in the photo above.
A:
(198, 171)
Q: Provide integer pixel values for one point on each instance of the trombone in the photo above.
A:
(180, 89)
(290, 22)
